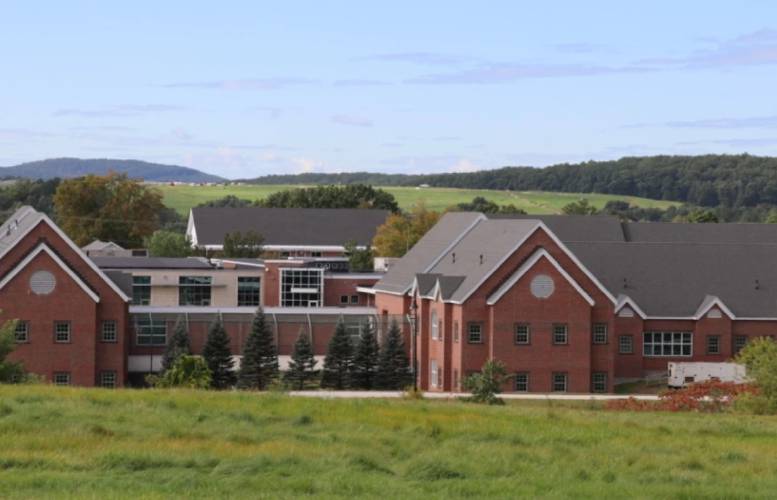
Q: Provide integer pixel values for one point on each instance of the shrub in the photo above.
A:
(187, 371)
(760, 358)
(710, 396)
(485, 385)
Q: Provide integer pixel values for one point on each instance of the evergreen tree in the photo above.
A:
(302, 366)
(177, 345)
(393, 366)
(365, 359)
(259, 366)
(338, 361)
(218, 357)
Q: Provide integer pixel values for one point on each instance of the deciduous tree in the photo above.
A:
(109, 208)
(401, 231)
(168, 244)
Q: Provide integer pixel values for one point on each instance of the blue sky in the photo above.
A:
(243, 89)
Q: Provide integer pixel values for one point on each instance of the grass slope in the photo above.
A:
(68, 442)
(182, 198)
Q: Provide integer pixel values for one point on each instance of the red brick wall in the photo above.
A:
(336, 287)
(85, 356)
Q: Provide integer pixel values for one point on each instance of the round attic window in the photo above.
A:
(42, 283)
(542, 286)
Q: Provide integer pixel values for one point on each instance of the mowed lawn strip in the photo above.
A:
(67, 442)
(182, 198)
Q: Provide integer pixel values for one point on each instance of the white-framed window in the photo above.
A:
(599, 382)
(62, 332)
(108, 379)
(667, 344)
(599, 333)
(434, 373)
(625, 344)
(354, 300)
(559, 382)
(522, 334)
(22, 332)
(343, 300)
(560, 334)
(61, 378)
(739, 343)
(302, 287)
(110, 332)
(522, 382)
(150, 331)
(713, 344)
(435, 326)
(475, 333)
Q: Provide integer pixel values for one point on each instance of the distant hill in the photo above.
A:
(728, 181)
(76, 167)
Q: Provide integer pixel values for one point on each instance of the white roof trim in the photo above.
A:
(44, 248)
(526, 266)
(625, 300)
(540, 225)
(364, 289)
(74, 247)
(708, 303)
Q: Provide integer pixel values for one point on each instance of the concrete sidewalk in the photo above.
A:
(454, 395)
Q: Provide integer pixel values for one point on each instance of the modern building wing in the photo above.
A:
(297, 231)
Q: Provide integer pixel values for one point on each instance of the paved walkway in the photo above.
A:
(454, 395)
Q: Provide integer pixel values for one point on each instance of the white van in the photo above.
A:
(682, 374)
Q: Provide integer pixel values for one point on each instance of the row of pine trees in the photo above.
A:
(363, 365)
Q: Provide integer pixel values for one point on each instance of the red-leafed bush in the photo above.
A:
(710, 396)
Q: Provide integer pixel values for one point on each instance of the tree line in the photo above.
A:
(362, 364)
(708, 180)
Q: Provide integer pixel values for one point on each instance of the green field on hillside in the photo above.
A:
(182, 198)
(67, 442)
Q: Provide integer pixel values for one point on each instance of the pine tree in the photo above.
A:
(393, 366)
(339, 357)
(177, 345)
(259, 366)
(365, 359)
(302, 366)
(218, 356)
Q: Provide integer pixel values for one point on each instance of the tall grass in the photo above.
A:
(68, 442)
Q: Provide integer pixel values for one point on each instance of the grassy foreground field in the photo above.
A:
(182, 198)
(64, 442)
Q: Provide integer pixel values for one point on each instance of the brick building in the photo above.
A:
(577, 304)
(106, 320)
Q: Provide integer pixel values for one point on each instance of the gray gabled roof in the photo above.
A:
(289, 226)
(101, 245)
(674, 279)
(576, 227)
(17, 225)
(451, 226)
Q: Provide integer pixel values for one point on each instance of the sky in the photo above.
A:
(244, 89)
